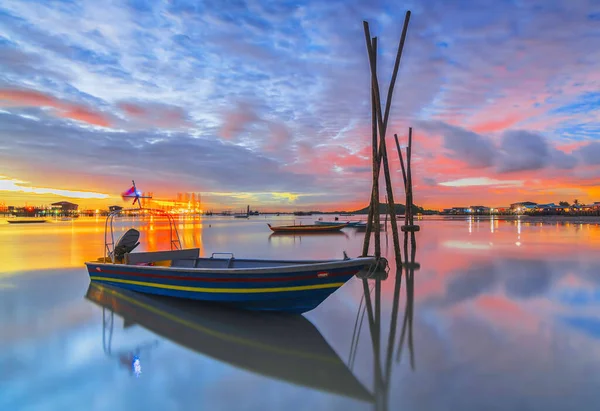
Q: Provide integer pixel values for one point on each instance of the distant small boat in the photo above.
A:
(335, 223)
(346, 224)
(240, 216)
(363, 226)
(306, 228)
(27, 221)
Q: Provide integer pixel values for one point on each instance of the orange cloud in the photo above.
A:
(32, 98)
(84, 115)
(25, 98)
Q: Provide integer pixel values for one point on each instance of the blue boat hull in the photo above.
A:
(284, 290)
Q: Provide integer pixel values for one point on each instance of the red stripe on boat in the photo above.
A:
(226, 280)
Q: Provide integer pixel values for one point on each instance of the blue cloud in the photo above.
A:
(588, 325)
(579, 297)
(585, 103)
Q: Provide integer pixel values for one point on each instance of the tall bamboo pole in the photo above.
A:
(382, 124)
(374, 203)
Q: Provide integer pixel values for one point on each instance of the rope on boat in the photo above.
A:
(378, 271)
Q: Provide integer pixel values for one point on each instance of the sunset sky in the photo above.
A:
(267, 102)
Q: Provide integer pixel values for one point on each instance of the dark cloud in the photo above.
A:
(177, 158)
(589, 153)
(524, 150)
(476, 150)
(517, 150)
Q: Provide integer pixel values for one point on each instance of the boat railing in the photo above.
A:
(109, 234)
(213, 254)
(229, 262)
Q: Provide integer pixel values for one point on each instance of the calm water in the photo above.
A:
(505, 315)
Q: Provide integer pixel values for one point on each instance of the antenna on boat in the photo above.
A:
(133, 193)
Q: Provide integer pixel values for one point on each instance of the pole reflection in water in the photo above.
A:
(281, 346)
(393, 349)
(129, 359)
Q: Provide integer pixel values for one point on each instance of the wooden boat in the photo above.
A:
(27, 221)
(346, 224)
(306, 228)
(284, 347)
(266, 285)
(319, 234)
(335, 223)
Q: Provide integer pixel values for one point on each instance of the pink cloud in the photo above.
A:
(155, 114)
(73, 111)
(235, 121)
(85, 115)
(26, 98)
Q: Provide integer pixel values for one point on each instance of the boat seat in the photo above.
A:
(153, 256)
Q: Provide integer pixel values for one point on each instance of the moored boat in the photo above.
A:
(346, 224)
(26, 220)
(306, 228)
(363, 226)
(333, 223)
(266, 285)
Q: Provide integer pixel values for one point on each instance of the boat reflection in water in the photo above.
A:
(282, 346)
(286, 235)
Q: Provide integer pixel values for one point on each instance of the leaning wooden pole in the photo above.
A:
(409, 225)
(382, 123)
(374, 218)
(401, 161)
(409, 197)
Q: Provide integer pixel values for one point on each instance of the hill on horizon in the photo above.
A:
(399, 208)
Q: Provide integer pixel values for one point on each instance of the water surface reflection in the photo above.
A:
(494, 325)
(284, 347)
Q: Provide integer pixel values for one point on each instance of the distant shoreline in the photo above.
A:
(572, 219)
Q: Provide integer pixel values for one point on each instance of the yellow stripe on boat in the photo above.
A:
(220, 290)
